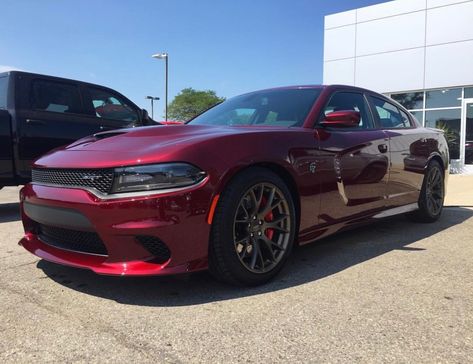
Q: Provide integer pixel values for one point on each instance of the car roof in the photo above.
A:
(321, 86)
(57, 78)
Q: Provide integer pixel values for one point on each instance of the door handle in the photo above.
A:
(383, 148)
(35, 122)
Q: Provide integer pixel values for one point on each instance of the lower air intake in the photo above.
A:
(77, 241)
(156, 247)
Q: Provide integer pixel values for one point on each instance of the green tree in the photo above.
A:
(189, 103)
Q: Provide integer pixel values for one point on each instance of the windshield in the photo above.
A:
(283, 107)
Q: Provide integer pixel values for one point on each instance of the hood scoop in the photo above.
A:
(108, 134)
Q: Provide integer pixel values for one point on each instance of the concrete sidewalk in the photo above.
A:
(459, 190)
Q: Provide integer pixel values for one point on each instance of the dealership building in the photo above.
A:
(420, 53)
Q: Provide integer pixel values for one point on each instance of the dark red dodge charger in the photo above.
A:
(234, 189)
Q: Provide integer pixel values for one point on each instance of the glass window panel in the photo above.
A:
(411, 100)
(419, 115)
(3, 92)
(443, 98)
(406, 122)
(110, 106)
(469, 135)
(468, 92)
(55, 97)
(342, 101)
(388, 114)
(449, 122)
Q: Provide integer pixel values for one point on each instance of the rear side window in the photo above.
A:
(389, 115)
(350, 101)
(111, 106)
(55, 97)
(3, 92)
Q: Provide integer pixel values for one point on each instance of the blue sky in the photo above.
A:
(227, 46)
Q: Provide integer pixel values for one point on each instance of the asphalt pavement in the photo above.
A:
(395, 291)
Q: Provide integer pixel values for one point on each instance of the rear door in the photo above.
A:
(354, 163)
(410, 147)
(50, 113)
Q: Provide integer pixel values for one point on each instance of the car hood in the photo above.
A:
(142, 145)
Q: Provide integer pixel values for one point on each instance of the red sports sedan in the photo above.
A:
(234, 189)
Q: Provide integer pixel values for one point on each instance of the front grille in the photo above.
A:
(78, 241)
(156, 247)
(99, 179)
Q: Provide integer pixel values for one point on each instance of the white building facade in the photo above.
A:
(419, 52)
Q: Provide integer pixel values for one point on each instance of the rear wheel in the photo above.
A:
(253, 229)
(432, 195)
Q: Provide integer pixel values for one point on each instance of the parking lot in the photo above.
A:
(394, 291)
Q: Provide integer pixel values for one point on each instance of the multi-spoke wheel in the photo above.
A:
(431, 195)
(253, 228)
(261, 228)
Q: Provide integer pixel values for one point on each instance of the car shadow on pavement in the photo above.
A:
(9, 212)
(307, 264)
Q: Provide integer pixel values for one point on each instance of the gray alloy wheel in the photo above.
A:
(253, 228)
(432, 194)
(261, 227)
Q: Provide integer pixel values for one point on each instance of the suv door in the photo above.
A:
(354, 164)
(50, 114)
(409, 148)
(109, 109)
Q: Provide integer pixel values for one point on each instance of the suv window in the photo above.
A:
(3, 92)
(389, 115)
(350, 101)
(55, 96)
(108, 105)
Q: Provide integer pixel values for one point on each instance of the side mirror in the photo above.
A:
(343, 118)
(146, 120)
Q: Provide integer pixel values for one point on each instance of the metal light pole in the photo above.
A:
(152, 99)
(164, 56)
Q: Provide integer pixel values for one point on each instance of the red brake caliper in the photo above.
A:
(268, 218)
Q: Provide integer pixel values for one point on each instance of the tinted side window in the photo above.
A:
(350, 101)
(111, 106)
(3, 92)
(55, 96)
(389, 115)
(405, 119)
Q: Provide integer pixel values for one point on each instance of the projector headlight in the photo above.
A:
(156, 177)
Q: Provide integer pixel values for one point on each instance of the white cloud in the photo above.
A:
(4, 68)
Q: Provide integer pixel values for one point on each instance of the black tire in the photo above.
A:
(432, 195)
(235, 239)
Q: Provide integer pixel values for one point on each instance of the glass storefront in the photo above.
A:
(449, 121)
(469, 134)
(442, 109)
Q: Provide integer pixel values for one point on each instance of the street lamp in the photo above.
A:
(152, 99)
(164, 56)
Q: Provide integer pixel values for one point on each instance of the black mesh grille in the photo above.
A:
(155, 247)
(100, 179)
(79, 241)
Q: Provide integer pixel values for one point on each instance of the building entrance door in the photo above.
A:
(466, 133)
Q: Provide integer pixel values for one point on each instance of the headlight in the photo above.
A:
(156, 177)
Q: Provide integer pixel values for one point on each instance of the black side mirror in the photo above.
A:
(146, 120)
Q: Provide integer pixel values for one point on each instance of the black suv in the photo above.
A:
(39, 113)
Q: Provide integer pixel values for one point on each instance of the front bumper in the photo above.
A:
(178, 219)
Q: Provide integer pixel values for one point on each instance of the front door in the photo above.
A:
(354, 163)
(51, 116)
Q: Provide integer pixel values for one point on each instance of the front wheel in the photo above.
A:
(432, 195)
(253, 229)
